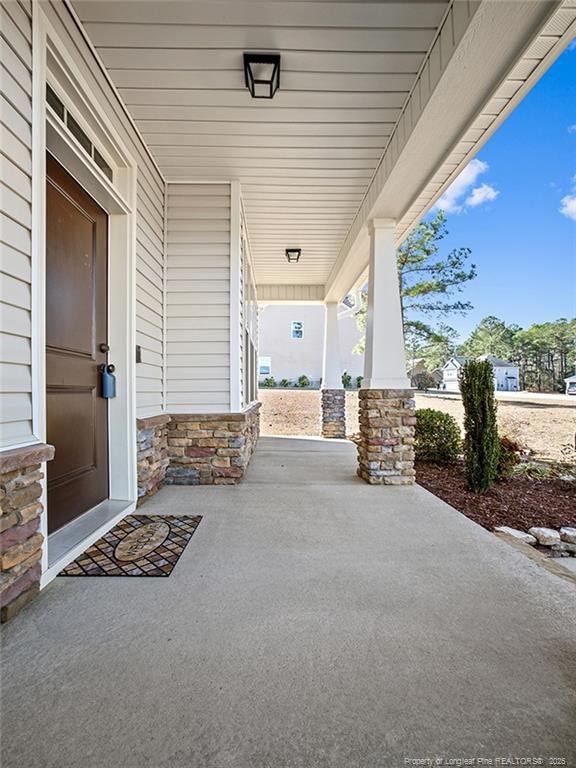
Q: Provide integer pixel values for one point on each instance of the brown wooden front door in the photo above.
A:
(76, 327)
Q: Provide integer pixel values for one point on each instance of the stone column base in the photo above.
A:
(386, 442)
(20, 537)
(333, 413)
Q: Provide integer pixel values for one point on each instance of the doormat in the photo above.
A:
(140, 545)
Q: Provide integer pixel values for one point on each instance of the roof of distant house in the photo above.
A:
(496, 362)
(460, 360)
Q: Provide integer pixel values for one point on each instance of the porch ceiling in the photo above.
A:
(306, 158)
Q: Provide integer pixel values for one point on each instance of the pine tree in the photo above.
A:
(481, 442)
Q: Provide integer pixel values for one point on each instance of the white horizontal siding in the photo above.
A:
(198, 298)
(15, 224)
(149, 220)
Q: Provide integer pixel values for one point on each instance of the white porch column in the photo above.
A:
(333, 395)
(385, 357)
(331, 373)
(385, 407)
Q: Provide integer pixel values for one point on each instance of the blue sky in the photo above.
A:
(515, 207)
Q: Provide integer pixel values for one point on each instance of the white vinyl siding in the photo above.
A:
(15, 224)
(198, 298)
(149, 220)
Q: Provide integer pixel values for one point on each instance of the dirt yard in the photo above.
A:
(541, 426)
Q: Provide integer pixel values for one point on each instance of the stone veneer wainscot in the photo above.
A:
(211, 449)
(152, 442)
(20, 538)
(386, 441)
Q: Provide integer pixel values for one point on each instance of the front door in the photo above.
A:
(76, 336)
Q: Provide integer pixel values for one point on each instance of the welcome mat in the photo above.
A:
(140, 545)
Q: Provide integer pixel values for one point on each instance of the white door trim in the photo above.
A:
(119, 200)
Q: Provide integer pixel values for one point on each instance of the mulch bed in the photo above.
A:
(519, 502)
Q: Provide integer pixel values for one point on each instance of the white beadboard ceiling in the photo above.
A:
(304, 159)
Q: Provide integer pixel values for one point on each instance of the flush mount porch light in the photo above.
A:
(293, 254)
(262, 74)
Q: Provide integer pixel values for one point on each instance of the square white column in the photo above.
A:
(331, 373)
(385, 356)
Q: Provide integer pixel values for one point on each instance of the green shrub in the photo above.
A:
(270, 381)
(346, 380)
(481, 442)
(359, 380)
(284, 383)
(508, 457)
(437, 436)
(303, 381)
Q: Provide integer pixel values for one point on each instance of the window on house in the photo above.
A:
(297, 331)
(56, 104)
(264, 366)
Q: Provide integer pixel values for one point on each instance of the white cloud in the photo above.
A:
(463, 187)
(572, 128)
(568, 207)
(482, 194)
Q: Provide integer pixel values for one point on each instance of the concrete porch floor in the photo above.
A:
(312, 621)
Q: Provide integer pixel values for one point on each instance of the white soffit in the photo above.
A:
(358, 80)
(304, 159)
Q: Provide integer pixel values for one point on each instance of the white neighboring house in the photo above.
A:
(506, 374)
(570, 385)
(291, 341)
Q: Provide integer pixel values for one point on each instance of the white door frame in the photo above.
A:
(118, 199)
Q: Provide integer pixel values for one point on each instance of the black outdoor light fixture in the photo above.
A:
(262, 74)
(293, 254)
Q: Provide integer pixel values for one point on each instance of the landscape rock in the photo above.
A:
(568, 535)
(546, 536)
(559, 550)
(527, 538)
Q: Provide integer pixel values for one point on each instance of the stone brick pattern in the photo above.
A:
(386, 441)
(333, 413)
(152, 446)
(211, 449)
(20, 537)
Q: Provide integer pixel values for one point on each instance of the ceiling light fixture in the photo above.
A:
(262, 74)
(293, 255)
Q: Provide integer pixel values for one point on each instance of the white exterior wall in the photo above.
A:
(507, 379)
(16, 288)
(198, 298)
(150, 217)
(16, 224)
(450, 378)
(293, 357)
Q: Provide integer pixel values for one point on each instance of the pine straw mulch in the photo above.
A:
(520, 502)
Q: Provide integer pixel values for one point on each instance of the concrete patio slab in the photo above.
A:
(313, 620)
